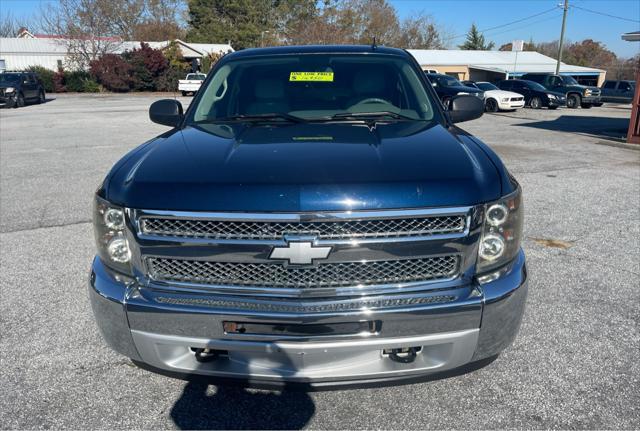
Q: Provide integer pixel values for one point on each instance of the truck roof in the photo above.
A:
(318, 49)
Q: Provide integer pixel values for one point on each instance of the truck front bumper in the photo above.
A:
(448, 329)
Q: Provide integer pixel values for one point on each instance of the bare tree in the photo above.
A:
(8, 25)
(420, 32)
(84, 27)
(91, 28)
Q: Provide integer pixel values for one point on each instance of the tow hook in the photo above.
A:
(207, 355)
(404, 355)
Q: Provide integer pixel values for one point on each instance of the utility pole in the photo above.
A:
(564, 21)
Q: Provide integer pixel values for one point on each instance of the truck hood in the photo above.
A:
(305, 167)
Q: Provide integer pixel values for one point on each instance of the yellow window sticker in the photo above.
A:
(311, 76)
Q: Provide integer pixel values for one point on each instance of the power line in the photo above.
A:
(524, 26)
(506, 24)
(605, 14)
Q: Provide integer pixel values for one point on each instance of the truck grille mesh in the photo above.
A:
(259, 230)
(276, 275)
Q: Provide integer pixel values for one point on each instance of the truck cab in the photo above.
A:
(618, 91)
(577, 95)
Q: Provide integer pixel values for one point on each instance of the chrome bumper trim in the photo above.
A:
(308, 362)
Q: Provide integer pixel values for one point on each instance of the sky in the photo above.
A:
(456, 16)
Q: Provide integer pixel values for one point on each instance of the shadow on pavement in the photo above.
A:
(601, 127)
(202, 406)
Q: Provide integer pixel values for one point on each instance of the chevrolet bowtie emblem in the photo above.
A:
(300, 253)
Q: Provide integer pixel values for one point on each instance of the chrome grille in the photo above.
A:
(517, 99)
(275, 230)
(276, 275)
(309, 307)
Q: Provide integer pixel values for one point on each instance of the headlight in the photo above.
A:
(504, 99)
(551, 96)
(587, 92)
(110, 234)
(480, 95)
(9, 90)
(502, 231)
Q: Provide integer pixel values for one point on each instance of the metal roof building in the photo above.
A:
(497, 65)
(21, 53)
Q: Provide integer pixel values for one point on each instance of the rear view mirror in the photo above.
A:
(167, 112)
(465, 108)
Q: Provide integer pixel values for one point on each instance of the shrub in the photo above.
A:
(168, 81)
(58, 82)
(147, 65)
(46, 77)
(91, 86)
(112, 72)
(75, 81)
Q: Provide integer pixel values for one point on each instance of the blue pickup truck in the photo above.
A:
(315, 216)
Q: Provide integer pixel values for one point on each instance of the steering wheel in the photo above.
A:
(373, 100)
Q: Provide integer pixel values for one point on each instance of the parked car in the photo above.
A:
(535, 95)
(19, 88)
(431, 71)
(495, 99)
(576, 94)
(315, 217)
(447, 87)
(191, 84)
(617, 91)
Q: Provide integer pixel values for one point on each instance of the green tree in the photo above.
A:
(244, 23)
(475, 40)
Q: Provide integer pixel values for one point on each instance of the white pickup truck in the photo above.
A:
(191, 83)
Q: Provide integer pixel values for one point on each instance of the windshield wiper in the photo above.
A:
(263, 117)
(373, 115)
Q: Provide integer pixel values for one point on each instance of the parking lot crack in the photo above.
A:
(28, 229)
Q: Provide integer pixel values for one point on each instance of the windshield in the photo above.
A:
(314, 87)
(9, 77)
(448, 81)
(196, 77)
(534, 85)
(569, 80)
(485, 86)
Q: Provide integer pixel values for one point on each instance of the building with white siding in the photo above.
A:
(21, 53)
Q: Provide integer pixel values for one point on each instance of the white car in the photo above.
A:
(191, 84)
(498, 100)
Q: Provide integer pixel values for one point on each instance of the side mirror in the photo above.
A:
(167, 112)
(465, 108)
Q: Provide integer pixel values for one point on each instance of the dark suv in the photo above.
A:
(576, 94)
(618, 91)
(18, 88)
(314, 216)
(447, 87)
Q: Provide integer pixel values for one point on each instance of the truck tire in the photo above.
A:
(491, 105)
(586, 105)
(573, 101)
(535, 103)
(41, 98)
(599, 104)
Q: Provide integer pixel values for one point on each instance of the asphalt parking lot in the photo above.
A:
(574, 364)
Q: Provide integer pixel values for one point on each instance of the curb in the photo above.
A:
(635, 147)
